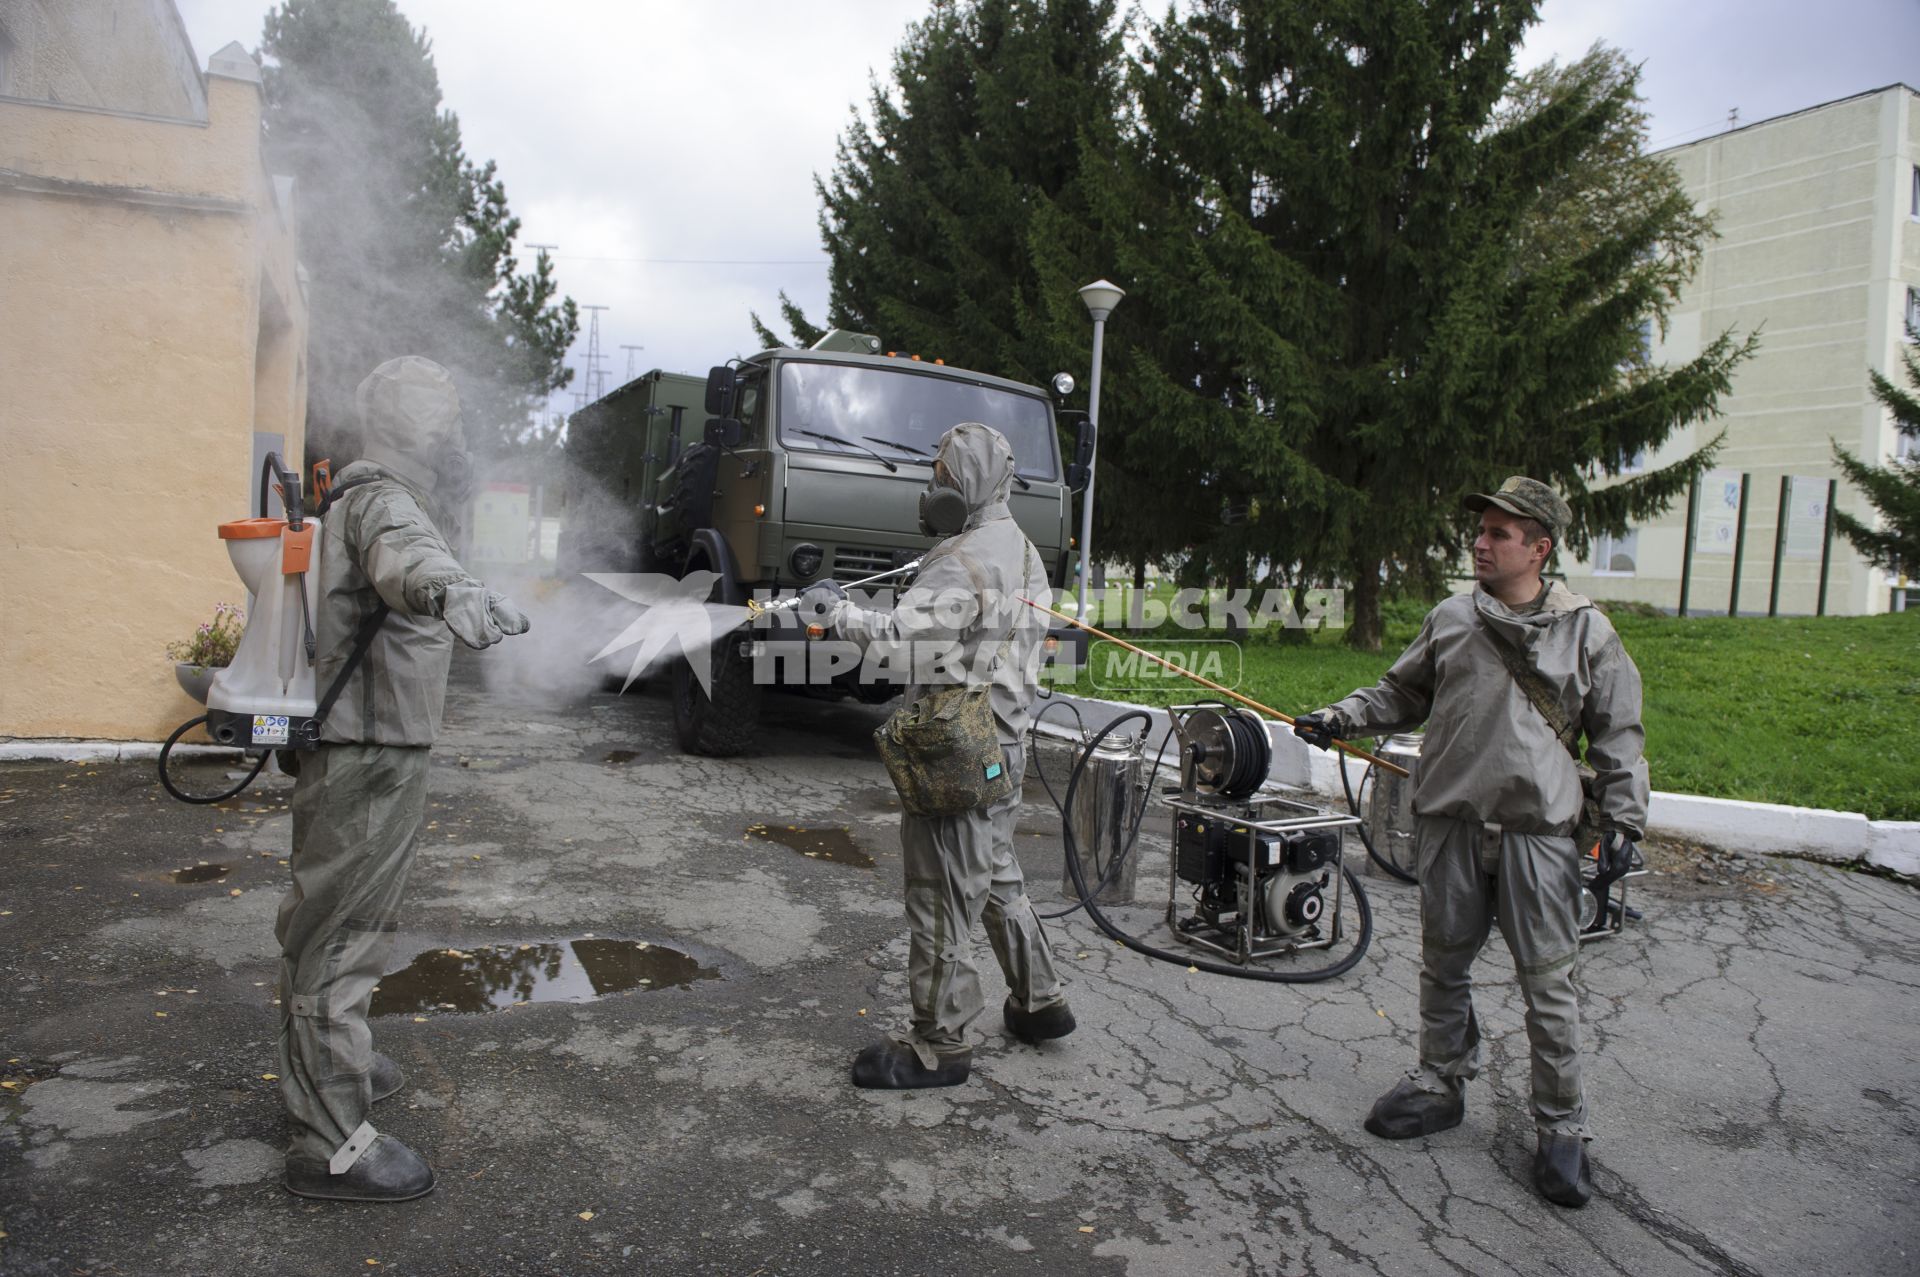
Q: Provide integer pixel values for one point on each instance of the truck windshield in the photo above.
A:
(860, 403)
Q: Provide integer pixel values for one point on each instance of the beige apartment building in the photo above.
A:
(1818, 215)
(153, 330)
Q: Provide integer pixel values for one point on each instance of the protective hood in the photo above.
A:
(410, 418)
(1525, 627)
(981, 462)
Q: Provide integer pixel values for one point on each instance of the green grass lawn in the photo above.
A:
(1810, 712)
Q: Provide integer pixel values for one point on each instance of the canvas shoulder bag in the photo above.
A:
(942, 750)
(1586, 827)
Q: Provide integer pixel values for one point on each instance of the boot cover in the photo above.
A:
(1409, 1110)
(388, 1171)
(1560, 1170)
(1049, 1022)
(893, 1066)
(387, 1077)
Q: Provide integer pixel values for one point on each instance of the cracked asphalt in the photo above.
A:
(1753, 1052)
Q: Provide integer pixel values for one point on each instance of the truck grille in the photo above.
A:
(852, 562)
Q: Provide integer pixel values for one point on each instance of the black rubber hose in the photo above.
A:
(166, 782)
(1189, 960)
(1353, 805)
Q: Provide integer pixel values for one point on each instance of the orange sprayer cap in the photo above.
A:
(251, 529)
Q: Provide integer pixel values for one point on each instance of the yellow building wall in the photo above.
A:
(1816, 246)
(153, 321)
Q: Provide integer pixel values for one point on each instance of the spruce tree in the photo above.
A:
(959, 221)
(408, 242)
(1367, 296)
(1892, 489)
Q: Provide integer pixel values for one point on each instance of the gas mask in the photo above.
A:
(453, 475)
(943, 510)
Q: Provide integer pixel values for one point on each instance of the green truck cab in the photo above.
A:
(789, 467)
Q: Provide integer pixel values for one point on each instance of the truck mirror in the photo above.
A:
(1080, 469)
(724, 432)
(721, 383)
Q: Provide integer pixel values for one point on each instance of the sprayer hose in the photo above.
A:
(166, 782)
(1189, 960)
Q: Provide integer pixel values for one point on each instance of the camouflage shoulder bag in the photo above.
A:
(1586, 831)
(942, 751)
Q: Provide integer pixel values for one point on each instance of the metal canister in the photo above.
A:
(1389, 806)
(1101, 817)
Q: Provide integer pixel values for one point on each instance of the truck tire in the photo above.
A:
(721, 720)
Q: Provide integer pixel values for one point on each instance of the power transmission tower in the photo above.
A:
(631, 352)
(593, 378)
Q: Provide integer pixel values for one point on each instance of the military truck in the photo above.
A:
(789, 467)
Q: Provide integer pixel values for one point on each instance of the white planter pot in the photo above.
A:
(194, 679)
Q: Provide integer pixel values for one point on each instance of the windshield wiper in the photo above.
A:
(848, 443)
(922, 452)
(895, 443)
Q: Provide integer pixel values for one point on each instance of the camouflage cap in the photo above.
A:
(1529, 499)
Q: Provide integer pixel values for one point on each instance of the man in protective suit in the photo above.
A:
(1496, 796)
(960, 870)
(362, 795)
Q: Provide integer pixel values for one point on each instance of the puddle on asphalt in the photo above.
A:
(621, 756)
(495, 976)
(835, 845)
(202, 872)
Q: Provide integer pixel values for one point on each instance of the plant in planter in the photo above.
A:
(211, 648)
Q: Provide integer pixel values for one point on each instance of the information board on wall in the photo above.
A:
(1719, 512)
(1806, 516)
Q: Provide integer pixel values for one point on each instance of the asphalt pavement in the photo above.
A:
(1753, 1048)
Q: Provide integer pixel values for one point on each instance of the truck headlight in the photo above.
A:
(806, 560)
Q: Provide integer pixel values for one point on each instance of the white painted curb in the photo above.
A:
(98, 751)
(1838, 837)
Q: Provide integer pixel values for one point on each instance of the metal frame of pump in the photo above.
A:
(1221, 779)
(1259, 868)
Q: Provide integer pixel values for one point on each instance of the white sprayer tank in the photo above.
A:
(271, 674)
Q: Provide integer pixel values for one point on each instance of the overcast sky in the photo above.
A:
(669, 149)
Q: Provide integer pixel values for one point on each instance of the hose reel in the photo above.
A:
(1226, 751)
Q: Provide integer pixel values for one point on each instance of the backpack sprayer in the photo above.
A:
(266, 700)
(1264, 874)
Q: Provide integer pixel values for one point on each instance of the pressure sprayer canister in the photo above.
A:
(1100, 815)
(268, 692)
(1389, 813)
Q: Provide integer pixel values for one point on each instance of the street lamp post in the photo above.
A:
(1100, 298)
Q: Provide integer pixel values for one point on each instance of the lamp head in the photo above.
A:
(1101, 296)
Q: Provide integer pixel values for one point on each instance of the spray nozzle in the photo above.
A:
(756, 608)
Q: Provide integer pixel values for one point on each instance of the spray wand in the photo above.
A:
(1184, 672)
(756, 608)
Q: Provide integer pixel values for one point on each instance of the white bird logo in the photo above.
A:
(674, 610)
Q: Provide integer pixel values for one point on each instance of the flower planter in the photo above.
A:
(194, 679)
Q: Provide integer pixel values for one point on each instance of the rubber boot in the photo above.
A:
(893, 1066)
(386, 1078)
(1410, 1110)
(1047, 1023)
(388, 1171)
(1560, 1170)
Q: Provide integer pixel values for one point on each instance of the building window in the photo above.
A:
(1913, 209)
(1913, 314)
(1615, 555)
(6, 57)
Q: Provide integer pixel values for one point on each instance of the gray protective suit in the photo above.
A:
(961, 870)
(361, 797)
(1496, 797)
